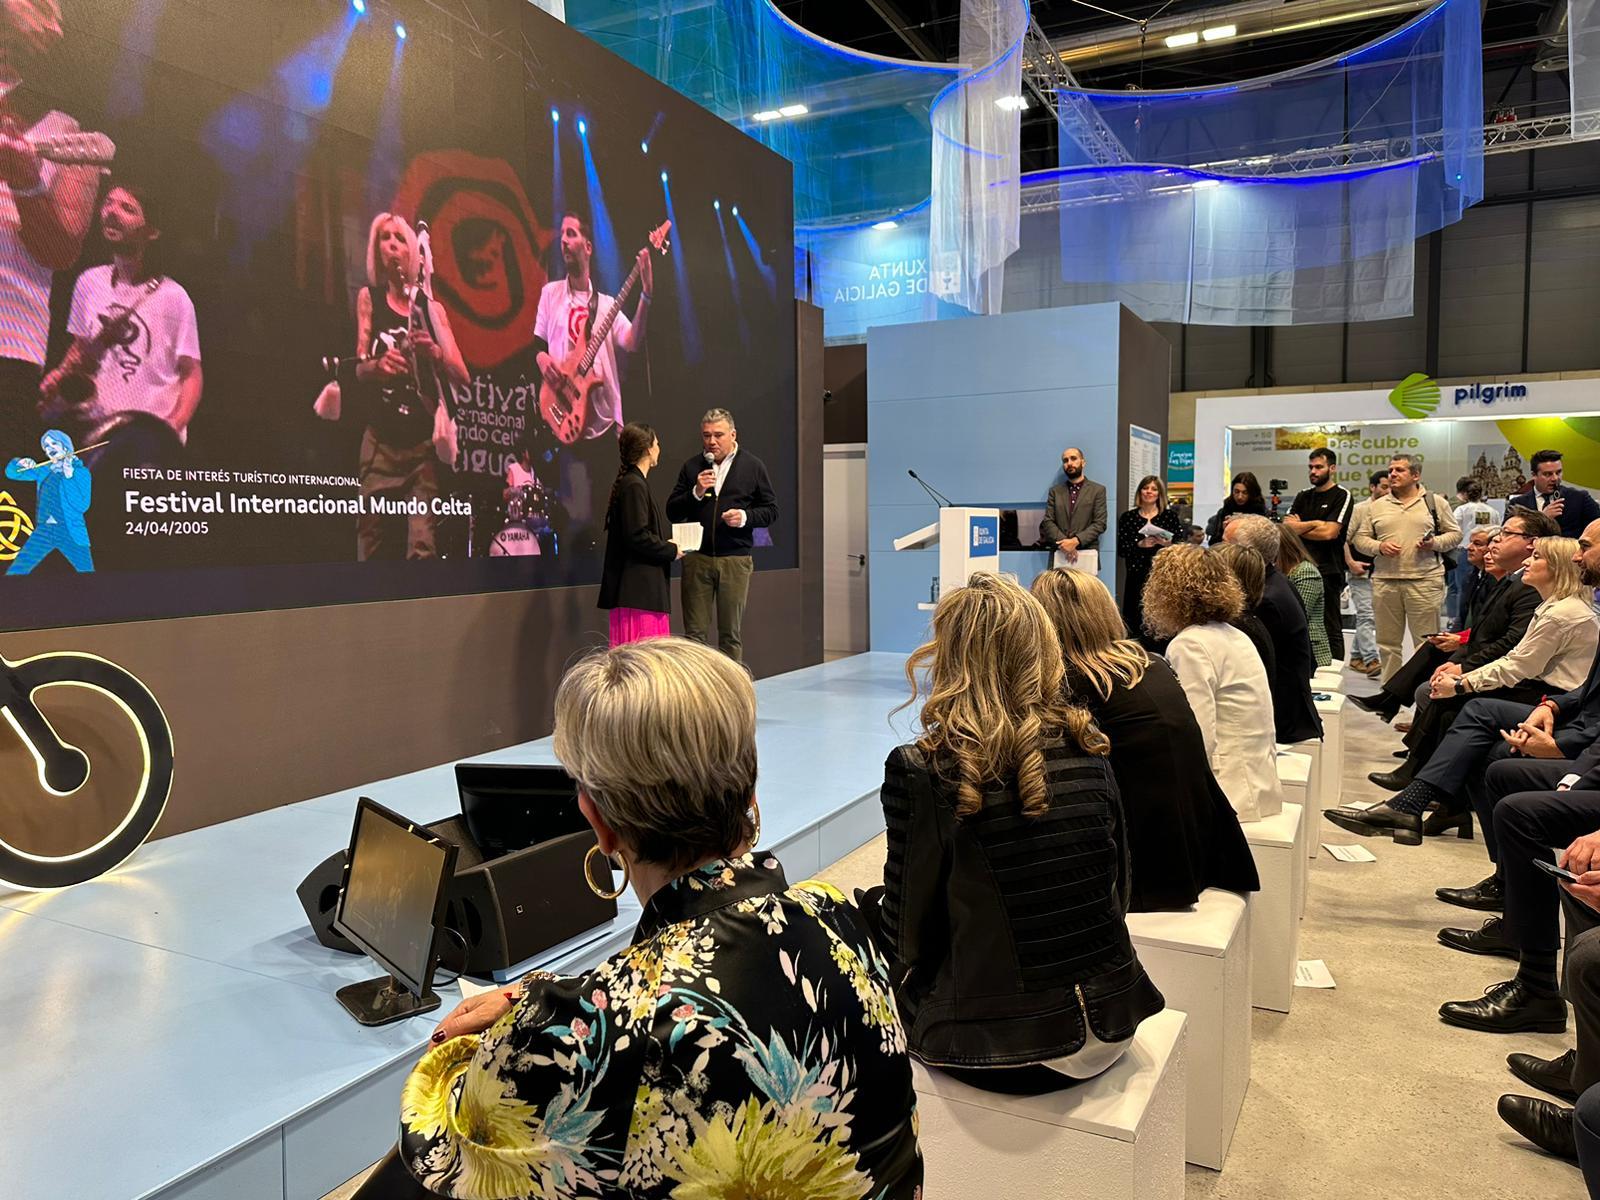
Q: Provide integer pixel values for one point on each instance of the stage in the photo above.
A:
(172, 1027)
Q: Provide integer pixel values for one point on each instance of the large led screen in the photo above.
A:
(313, 302)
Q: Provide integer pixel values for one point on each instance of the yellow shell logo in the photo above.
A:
(15, 526)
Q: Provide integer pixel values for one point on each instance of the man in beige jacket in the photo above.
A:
(1406, 532)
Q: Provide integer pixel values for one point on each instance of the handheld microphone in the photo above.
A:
(939, 498)
(711, 465)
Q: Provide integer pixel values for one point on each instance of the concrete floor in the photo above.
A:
(1362, 1093)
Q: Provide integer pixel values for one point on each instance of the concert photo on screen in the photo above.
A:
(316, 302)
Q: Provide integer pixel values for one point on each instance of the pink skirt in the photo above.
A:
(637, 624)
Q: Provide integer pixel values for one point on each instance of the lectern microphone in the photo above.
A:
(942, 500)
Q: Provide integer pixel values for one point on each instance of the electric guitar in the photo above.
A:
(565, 404)
(81, 149)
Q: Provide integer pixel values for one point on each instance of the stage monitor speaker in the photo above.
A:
(507, 909)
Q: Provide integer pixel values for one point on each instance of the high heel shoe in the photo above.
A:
(1440, 822)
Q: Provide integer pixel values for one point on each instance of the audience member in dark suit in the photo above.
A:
(1500, 612)
(1572, 1134)
(1486, 732)
(636, 580)
(1294, 713)
(1573, 507)
(1183, 834)
(1251, 573)
(1553, 656)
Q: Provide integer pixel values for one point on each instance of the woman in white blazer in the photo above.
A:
(1190, 598)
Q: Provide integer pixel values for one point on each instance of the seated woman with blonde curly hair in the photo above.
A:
(1191, 599)
(745, 1044)
(1007, 875)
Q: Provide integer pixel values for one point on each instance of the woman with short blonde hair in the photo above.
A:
(1183, 836)
(750, 1022)
(1004, 806)
(1192, 598)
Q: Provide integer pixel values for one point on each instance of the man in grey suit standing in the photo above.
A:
(1075, 516)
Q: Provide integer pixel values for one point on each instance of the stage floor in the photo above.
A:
(172, 1027)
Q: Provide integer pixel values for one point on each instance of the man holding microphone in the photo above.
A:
(725, 490)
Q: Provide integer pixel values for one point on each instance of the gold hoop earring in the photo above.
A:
(755, 834)
(588, 873)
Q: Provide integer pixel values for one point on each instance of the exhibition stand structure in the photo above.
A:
(981, 408)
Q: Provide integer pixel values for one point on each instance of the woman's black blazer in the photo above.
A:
(639, 558)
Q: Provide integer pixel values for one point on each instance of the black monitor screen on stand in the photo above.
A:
(391, 905)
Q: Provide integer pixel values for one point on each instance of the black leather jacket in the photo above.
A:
(1007, 930)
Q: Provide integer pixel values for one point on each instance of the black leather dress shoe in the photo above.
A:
(1508, 1008)
(1487, 895)
(1490, 938)
(1548, 1126)
(1406, 828)
(1553, 1075)
(1395, 780)
(1380, 706)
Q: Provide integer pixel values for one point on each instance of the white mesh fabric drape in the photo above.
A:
(1583, 63)
(977, 164)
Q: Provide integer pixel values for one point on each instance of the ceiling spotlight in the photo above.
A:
(1178, 40)
(663, 177)
(645, 147)
(583, 127)
(555, 114)
(1013, 103)
(887, 225)
(736, 210)
(1220, 33)
(717, 204)
(793, 110)
(765, 115)
(360, 6)
(400, 31)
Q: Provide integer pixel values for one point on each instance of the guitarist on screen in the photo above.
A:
(570, 307)
(131, 378)
(45, 211)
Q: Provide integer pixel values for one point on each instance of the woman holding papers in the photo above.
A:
(636, 584)
(1141, 531)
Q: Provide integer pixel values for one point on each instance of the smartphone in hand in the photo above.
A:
(1550, 868)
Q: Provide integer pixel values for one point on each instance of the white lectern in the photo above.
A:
(968, 541)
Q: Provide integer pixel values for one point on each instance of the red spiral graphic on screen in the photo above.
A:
(488, 248)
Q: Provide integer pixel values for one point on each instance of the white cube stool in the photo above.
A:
(1330, 767)
(1116, 1137)
(1297, 774)
(1200, 959)
(1328, 679)
(1275, 910)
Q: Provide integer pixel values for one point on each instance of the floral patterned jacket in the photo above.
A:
(746, 1044)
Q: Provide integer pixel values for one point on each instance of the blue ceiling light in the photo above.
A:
(555, 114)
(644, 147)
(583, 127)
(663, 177)
(717, 204)
(736, 210)
(400, 31)
(360, 6)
